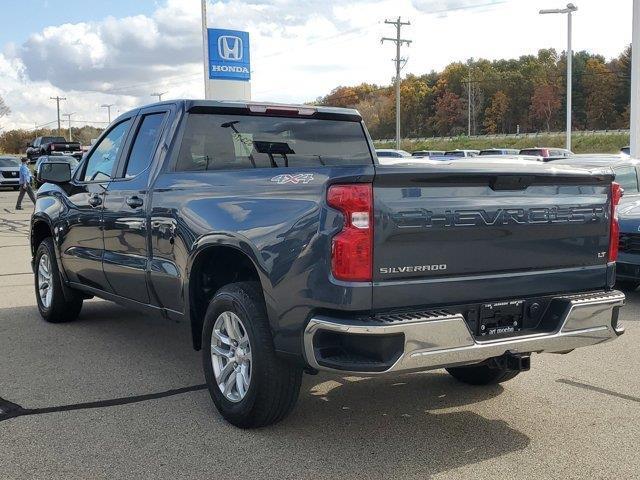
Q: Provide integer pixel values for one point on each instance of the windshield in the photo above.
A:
(627, 178)
(8, 162)
(53, 140)
(533, 151)
(214, 142)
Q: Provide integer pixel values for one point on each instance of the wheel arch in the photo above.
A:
(216, 262)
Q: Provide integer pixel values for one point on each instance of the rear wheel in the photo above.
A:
(250, 386)
(628, 285)
(53, 305)
(481, 374)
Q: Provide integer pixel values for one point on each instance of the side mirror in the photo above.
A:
(54, 172)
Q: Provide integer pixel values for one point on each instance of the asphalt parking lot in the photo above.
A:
(120, 395)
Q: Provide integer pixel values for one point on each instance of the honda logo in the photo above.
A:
(230, 48)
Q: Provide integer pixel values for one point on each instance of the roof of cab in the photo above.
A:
(189, 104)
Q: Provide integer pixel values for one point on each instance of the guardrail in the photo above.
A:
(508, 135)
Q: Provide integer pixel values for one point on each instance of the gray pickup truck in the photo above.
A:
(274, 232)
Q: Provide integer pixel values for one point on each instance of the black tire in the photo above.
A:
(274, 383)
(61, 308)
(481, 374)
(627, 285)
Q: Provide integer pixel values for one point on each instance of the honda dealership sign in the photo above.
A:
(229, 55)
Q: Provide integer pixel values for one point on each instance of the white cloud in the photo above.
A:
(300, 50)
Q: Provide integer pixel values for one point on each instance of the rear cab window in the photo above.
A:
(145, 142)
(217, 141)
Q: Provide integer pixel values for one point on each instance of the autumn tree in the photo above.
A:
(494, 117)
(545, 103)
(449, 113)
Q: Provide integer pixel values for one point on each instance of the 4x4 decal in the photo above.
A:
(295, 178)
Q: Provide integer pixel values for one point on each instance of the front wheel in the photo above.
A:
(250, 386)
(482, 374)
(54, 307)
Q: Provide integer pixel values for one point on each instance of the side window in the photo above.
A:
(144, 143)
(99, 166)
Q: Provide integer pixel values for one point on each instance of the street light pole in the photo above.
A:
(568, 10)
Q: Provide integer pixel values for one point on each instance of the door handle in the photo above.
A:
(95, 200)
(134, 202)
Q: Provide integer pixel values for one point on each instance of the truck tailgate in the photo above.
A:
(468, 230)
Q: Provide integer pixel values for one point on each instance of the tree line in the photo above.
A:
(526, 94)
(15, 141)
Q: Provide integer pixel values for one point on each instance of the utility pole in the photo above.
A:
(68, 115)
(400, 62)
(469, 104)
(108, 107)
(159, 95)
(57, 99)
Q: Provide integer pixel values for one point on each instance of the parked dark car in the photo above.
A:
(461, 153)
(628, 265)
(392, 153)
(52, 146)
(275, 233)
(427, 153)
(625, 169)
(547, 154)
(9, 172)
(72, 161)
(499, 151)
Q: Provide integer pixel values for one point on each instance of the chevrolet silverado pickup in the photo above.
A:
(275, 233)
(52, 146)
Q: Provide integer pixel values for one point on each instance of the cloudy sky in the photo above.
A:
(96, 52)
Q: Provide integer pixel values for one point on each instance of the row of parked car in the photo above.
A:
(541, 153)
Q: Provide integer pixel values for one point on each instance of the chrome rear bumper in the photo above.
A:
(435, 341)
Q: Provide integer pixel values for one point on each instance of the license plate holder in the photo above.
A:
(500, 318)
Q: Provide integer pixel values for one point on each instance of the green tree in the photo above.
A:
(600, 91)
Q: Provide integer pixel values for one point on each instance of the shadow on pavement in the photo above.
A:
(345, 427)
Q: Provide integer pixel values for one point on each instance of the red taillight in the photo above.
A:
(614, 231)
(352, 248)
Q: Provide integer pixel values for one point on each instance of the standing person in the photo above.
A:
(25, 184)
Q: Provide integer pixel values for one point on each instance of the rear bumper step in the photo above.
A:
(435, 339)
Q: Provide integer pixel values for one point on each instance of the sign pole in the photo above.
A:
(635, 82)
(205, 49)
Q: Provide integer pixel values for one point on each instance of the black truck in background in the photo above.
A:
(52, 146)
(276, 234)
